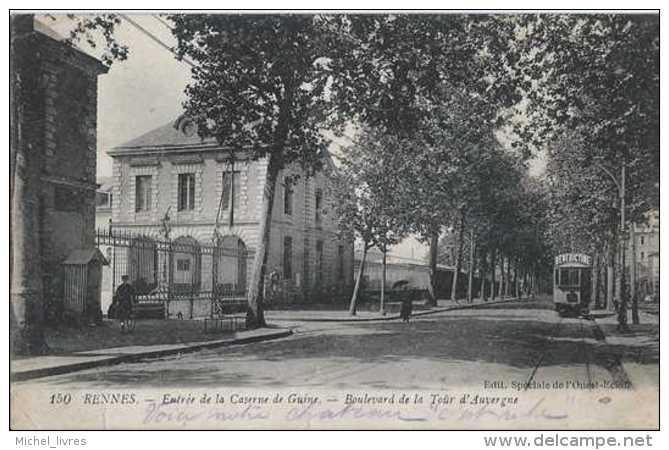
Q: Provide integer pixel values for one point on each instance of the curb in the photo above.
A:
(397, 317)
(136, 357)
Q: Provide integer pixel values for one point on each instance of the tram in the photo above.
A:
(572, 286)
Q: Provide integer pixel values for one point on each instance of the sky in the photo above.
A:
(141, 93)
(146, 91)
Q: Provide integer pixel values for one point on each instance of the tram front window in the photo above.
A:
(570, 277)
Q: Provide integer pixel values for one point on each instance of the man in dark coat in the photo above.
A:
(125, 295)
(407, 299)
(405, 311)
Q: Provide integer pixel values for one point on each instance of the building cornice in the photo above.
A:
(163, 150)
(160, 150)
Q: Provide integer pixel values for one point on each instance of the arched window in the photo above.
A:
(231, 271)
(187, 264)
(142, 264)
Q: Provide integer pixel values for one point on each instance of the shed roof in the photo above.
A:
(105, 184)
(84, 256)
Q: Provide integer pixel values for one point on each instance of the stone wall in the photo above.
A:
(68, 153)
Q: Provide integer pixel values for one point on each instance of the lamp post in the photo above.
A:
(622, 292)
(166, 229)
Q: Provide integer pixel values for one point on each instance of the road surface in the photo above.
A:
(509, 344)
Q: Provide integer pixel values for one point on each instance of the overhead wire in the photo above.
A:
(159, 19)
(156, 40)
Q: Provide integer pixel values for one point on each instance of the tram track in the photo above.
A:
(586, 358)
(585, 351)
(544, 352)
(592, 359)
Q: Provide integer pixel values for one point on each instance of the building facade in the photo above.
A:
(103, 202)
(170, 184)
(647, 244)
(54, 134)
(103, 214)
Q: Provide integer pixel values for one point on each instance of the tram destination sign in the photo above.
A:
(572, 258)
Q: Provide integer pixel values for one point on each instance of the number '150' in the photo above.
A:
(60, 399)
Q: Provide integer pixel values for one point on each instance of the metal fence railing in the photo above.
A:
(188, 278)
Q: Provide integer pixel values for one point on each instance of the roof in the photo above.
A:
(171, 135)
(178, 135)
(84, 256)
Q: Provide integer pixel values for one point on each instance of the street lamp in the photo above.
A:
(622, 307)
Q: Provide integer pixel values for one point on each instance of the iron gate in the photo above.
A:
(179, 278)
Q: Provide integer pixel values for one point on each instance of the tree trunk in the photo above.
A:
(515, 279)
(633, 277)
(601, 280)
(383, 283)
(458, 258)
(482, 272)
(595, 279)
(255, 317)
(493, 263)
(507, 290)
(619, 268)
(432, 288)
(610, 276)
(504, 285)
(622, 290)
(470, 281)
(653, 280)
(502, 278)
(361, 271)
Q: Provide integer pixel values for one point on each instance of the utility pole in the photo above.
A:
(622, 292)
(622, 312)
(232, 189)
(470, 282)
(633, 279)
(383, 282)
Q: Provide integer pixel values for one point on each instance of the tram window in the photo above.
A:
(569, 277)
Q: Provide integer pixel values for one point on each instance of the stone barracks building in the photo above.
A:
(170, 184)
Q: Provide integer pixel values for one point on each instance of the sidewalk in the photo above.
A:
(79, 349)
(638, 349)
(370, 316)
